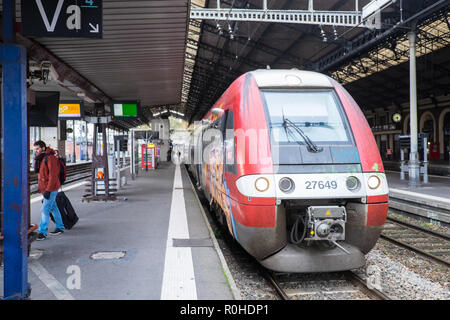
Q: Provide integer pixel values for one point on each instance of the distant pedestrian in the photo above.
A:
(389, 154)
(46, 165)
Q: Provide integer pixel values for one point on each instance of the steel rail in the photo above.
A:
(69, 170)
(412, 226)
(269, 277)
(84, 176)
(83, 169)
(410, 247)
(372, 293)
(415, 249)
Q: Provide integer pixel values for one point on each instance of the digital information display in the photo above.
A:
(71, 110)
(126, 109)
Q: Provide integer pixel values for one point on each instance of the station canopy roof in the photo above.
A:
(140, 57)
(372, 64)
(153, 52)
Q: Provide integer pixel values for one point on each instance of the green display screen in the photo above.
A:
(125, 110)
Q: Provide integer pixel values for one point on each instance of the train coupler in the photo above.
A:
(326, 223)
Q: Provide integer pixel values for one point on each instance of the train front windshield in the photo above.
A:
(317, 113)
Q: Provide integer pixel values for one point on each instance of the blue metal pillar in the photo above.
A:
(15, 161)
(8, 21)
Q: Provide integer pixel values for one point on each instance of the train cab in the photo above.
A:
(290, 165)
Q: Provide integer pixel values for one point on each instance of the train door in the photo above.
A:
(198, 158)
(217, 156)
(229, 146)
(221, 125)
(446, 145)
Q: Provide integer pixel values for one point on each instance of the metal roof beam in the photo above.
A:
(224, 53)
(332, 18)
(246, 41)
(210, 63)
(370, 39)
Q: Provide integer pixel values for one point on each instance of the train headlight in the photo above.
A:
(373, 182)
(262, 184)
(352, 183)
(286, 184)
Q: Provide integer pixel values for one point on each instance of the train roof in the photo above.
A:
(290, 78)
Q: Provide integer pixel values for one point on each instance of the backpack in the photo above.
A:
(62, 168)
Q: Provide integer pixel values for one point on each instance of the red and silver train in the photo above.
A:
(289, 164)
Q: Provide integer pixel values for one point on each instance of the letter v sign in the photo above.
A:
(50, 28)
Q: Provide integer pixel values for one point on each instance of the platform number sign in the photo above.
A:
(62, 18)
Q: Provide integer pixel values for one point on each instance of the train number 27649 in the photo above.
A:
(321, 184)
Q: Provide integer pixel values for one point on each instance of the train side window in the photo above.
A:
(229, 144)
(222, 121)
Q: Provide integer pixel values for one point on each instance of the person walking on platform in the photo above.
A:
(46, 165)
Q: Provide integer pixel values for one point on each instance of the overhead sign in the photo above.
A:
(62, 18)
(126, 109)
(71, 110)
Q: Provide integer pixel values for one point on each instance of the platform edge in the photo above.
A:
(230, 280)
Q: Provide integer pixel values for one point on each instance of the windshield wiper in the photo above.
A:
(289, 125)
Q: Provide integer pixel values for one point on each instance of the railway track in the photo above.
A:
(327, 286)
(428, 243)
(70, 171)
(73, 173)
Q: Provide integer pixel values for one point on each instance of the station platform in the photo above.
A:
(430, 200)
(152, 243)
(435, 167)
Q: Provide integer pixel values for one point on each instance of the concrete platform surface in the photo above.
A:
(130, 249)
(430, 200)
(436, 187)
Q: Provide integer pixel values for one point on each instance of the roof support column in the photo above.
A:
(15, 162)
(62, 137)
(413, 165)
(15, 165)
(74, 144)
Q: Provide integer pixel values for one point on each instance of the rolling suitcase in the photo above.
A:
(68, 215)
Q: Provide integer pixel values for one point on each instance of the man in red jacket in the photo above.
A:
(46, 165)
